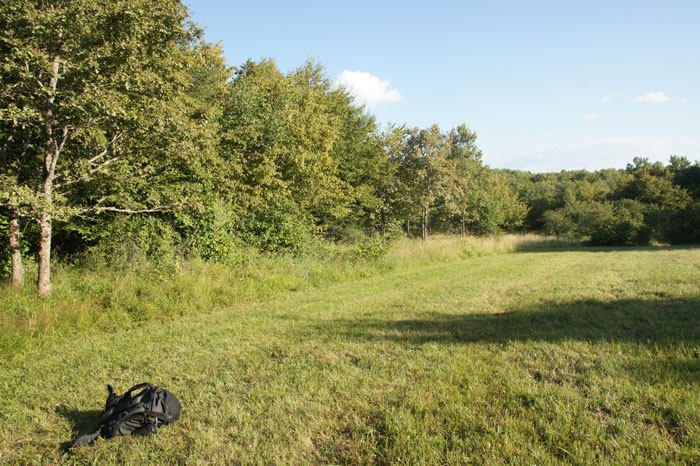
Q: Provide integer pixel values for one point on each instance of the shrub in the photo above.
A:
(129, 240)
(682, 226)
(372, 248)
(624, 226)
(213, 236)
(280, 227)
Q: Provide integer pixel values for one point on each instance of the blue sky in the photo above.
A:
(546, 85)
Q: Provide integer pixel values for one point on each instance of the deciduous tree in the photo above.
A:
(88, 90)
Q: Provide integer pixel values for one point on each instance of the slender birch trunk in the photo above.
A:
(51, 153)
(17, 276)
(44, 276)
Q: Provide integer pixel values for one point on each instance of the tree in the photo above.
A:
(90, 95)
(425, 170)
(362, 164)
(685, 174)
(394, 203)
(557, 222)
(463, 185)
(287, 140)
(494, 205)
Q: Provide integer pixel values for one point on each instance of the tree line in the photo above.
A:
(641, 204)
(120, 126)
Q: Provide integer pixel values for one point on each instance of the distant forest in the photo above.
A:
(122, 130)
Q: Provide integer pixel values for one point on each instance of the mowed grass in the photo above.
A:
(440, 354)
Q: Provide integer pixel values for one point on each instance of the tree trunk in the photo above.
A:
(408, 228)
(52, 150)
(44, 276)
(17, 279)
(424, 221)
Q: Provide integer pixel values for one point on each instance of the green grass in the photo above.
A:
(454, 352)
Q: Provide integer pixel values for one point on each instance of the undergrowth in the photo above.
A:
(100, 293)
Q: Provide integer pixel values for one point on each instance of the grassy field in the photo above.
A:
(457, 352)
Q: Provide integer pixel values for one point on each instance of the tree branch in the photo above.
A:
(130, 211)
(106, 149)
(92, 161)
(89, 172)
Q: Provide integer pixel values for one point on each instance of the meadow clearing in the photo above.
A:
(459, 351)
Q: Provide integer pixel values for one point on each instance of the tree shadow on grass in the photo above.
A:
(647, 321)
(83, 422)
(654, 323)
(566, 246)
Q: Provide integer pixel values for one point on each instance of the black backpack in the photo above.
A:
(139, 414)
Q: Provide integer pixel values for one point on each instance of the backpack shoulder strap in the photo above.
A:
(127, 394)
(87, 439)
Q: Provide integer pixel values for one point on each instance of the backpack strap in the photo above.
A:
(127, 394)
(87, 439)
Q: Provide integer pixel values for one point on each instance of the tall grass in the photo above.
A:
(445, 248)
(94, 294)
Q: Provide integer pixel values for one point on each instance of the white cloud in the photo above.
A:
(606, 99)
(368, 89)
(593, 154)
(590, 117)
(683, 100)
(652, 98)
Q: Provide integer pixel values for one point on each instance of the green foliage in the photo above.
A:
(373, 247)
(686, 175)
(277, 134)
(279, 227)
(128, 242)
(214, 236)
(624, 226)
(444, 185)
(102, 114)
(646, 202)
(620, 223)
(557, 223)
(677, 226)
(483, 203)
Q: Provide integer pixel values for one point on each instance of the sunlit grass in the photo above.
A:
(446, 247)
(426, 356)
(96, 296)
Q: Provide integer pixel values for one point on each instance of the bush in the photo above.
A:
(621, 223)
(213, 237)
(280, 227)
(130, 240)
(624, 226)
(683, 226)
(372, 248)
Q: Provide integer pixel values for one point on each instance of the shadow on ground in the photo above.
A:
(566, 246)
(656, 320)
(83, 422)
